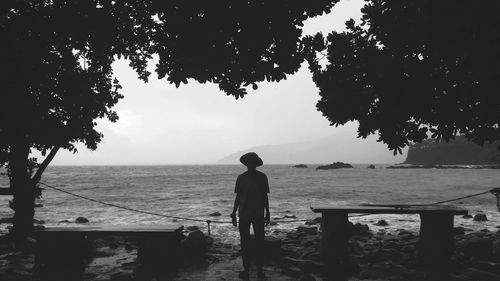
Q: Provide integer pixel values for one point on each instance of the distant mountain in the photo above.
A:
(456, 152)
(341, 147)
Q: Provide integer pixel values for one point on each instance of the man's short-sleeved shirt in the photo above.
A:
(252, 188)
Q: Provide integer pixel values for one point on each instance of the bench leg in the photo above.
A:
(435, 245)
(335, 239)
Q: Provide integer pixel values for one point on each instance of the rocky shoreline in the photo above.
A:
(436, 166)
(376, 254)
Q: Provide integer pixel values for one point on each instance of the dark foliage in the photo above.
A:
(57, 78)
(412, 70)
(456, 152)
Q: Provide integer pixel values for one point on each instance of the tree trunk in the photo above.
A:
(23, 190)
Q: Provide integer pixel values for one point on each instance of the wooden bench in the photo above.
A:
(62, 252)
(435, 244)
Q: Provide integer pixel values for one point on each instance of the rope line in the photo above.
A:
(495, 191)
(152, 213)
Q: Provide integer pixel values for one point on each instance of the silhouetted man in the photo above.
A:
(251, 191)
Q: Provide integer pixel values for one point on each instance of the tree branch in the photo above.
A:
(36, 178)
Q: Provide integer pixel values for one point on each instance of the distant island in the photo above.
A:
(431, 153)
(342, 146)
(336, 165)
(300, 166)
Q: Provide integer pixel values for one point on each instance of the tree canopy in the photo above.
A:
(411, 70)
(57, 56)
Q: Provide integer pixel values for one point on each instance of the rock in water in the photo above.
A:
(336, 165)
(215, 214)
(480, 217)
(381, 223)
(192, 228)
(359, 229)
(371, 166)
(81, 220)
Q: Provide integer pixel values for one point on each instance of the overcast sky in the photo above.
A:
(198, 124)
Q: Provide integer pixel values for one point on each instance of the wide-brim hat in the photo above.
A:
(251, 159)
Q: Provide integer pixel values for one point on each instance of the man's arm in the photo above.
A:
(267, 219)
(266, 206)
(236, 202)
(235, 208)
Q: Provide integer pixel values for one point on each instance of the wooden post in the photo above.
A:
(435, 245)
(335, 239)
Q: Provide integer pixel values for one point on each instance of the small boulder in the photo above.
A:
(6, 220)
(215, 214)
(496, 247)
(381, 223)
(291, 270)
(81, 220)
(38, 221)
(480, 217)
(195, 244)
(39, 227)
(360, 229)
(307, 230)
(478, 247)
(272, 246)
(306, 265)
(192, 228)
(458, 230)
(467, 216)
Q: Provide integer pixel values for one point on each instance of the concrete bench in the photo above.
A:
(65, 250)
(435, 244)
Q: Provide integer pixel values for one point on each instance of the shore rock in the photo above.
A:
(381, 223)
(307, 230)
(360, 229)
(192, 228)
(81, 220)
(480, 217)
(478, 247)
(458, 230)
(305, 265)
(336, 165)
(6, 220)
(195, 244)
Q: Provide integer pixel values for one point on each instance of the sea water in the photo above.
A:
(198, 191)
